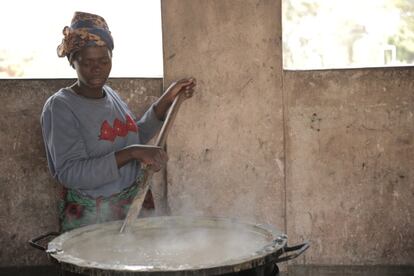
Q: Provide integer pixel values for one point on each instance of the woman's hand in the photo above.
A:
(185, 86)
(153, 156)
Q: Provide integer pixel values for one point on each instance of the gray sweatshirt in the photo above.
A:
(81, 137)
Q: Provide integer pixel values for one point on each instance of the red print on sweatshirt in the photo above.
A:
(107, 132)
(130, 124)
(119, 129)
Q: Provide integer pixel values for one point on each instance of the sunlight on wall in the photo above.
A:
(324, 34)
(32, 30)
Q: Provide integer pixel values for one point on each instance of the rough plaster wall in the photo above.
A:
(350, 172)
(349, 137)
(226, 146)
(27, 192)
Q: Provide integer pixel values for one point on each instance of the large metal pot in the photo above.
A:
(171, 245)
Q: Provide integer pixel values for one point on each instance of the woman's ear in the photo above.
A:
(71, 59)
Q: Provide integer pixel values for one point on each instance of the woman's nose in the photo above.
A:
(96, 67)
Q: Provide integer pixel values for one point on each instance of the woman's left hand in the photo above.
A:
(185, 86)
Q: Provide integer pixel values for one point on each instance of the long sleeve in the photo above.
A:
(148, 125)
(66, 152)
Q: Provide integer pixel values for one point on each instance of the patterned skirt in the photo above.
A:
(76, 210)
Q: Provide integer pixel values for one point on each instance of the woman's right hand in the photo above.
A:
(153, 156)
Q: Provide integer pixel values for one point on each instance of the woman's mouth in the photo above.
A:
(96, 81)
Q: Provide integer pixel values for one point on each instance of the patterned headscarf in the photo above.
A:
(86, 29)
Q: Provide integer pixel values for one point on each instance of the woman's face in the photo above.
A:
(93, 65)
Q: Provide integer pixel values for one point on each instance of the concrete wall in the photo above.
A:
(326, 156)
(226, 148)
(350, 166)
(27, 192)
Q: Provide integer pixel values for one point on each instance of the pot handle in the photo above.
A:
(34, 242)
(300, 248)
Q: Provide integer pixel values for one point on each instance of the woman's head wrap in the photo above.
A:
(86, 29)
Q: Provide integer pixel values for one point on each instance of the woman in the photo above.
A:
(94, 143)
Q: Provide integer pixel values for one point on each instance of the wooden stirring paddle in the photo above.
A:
(136, 204)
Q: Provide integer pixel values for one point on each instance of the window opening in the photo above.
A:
(326, 34)
(32, 30)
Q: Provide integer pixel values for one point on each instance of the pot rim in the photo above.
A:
(268, 253)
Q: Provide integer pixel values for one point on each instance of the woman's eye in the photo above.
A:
(97, 62)
(87, 64)
(105, 61)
